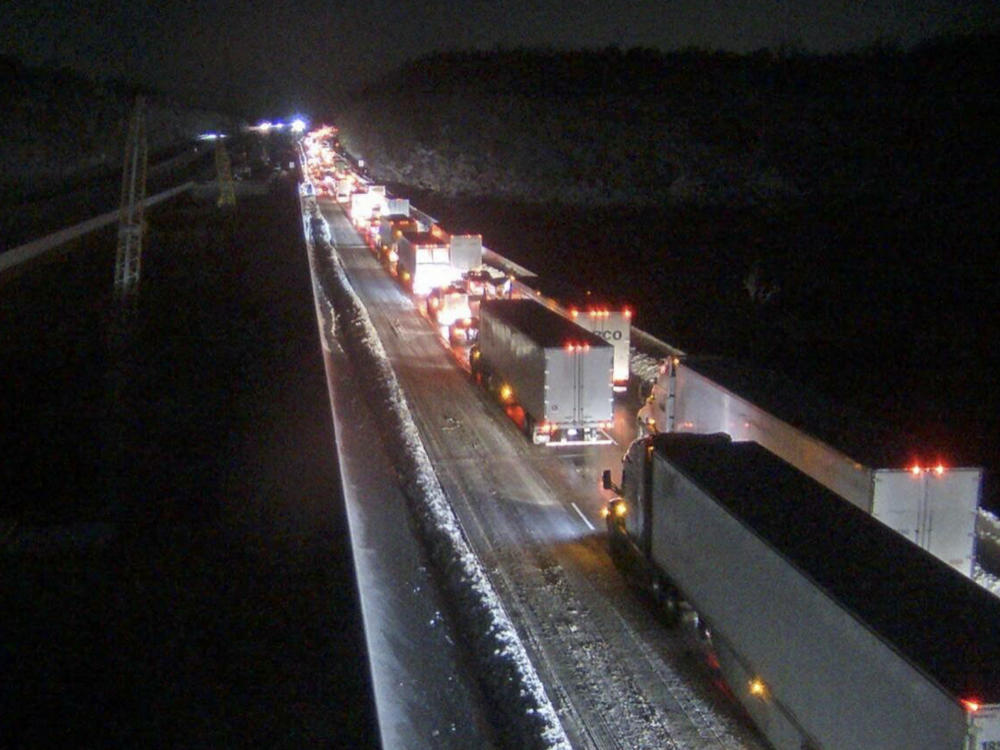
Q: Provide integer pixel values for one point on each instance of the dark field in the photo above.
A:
(223, 613)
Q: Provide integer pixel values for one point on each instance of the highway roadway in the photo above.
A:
(617, 677)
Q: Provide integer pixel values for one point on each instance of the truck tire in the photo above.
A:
(668, 601)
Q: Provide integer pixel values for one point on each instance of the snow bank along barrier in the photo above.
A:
(526, 717)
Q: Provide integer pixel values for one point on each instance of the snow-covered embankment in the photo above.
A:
(526, 717)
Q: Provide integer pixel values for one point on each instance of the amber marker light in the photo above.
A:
(757, 687)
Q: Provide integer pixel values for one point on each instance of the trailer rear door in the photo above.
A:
(935, 509)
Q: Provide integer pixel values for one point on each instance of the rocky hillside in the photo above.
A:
(58, 125)
(642, 126)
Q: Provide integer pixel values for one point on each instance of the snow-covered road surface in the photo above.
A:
(616, 676)
(425, 695)
(520, 712)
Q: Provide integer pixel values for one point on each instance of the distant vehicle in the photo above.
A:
(483, 283)
(450, 307)
(457, 305)
(424, 261)
(931, 505)
(831, 631)
(366, 204)
(553, 375)
(345, 186)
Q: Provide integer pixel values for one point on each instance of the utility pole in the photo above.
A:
(118, 459)
(224, 174)
(128, 260)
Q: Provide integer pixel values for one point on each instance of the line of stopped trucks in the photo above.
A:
(826, 571)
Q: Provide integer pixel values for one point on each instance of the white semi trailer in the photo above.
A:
(424, 261)
(612, 321)
(466, 252)
(554, 371)
(833, 632)
(932, 505)
(366, 205)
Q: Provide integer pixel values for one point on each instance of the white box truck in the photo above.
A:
(611, 320)
(424, 261)
(932, 505)
(553, 376)
(466, 252)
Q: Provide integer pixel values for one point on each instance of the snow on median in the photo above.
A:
(527, 717)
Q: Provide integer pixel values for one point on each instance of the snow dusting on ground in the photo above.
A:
(510, 682)
(508, 677)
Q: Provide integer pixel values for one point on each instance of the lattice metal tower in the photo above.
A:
(128, 261)
(224, 174)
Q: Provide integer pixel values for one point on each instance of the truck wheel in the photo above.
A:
(668, 601)
(529, 428)
(671, 610)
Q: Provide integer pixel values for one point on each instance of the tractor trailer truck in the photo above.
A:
(932, 505)
(553, 376)
(610, 320)
(832, 631)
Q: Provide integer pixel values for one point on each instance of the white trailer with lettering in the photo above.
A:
(556, 372)
(610, 320)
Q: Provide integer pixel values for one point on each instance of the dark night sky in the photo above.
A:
(292, 53)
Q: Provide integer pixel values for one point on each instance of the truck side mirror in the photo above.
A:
(606, 482)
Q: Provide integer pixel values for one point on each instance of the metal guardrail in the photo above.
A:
(37, 248)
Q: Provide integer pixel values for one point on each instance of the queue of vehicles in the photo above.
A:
(824, 577)
(832, 630)
(554, 370)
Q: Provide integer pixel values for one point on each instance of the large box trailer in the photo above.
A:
(466, 251)
(609, 319)
(424, 261)
(390, 230)
(932, 505)
(397, 206)
(392, 226)
(366, 205)
(556, 372)
(832, 631)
